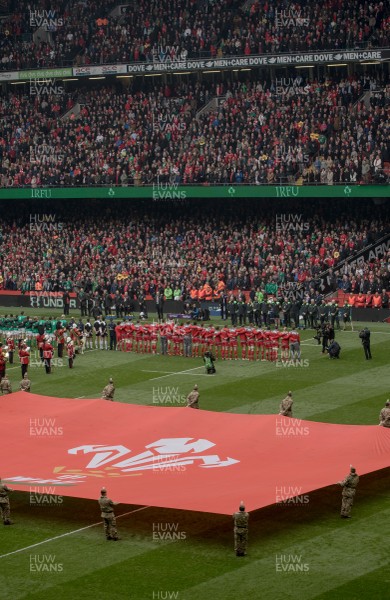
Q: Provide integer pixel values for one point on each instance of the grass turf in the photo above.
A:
(336, 558)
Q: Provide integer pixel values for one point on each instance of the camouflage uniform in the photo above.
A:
(193, 398)
(5, 386)
(384, 416)
(349, 485)
(5, 508)
(108, 392)
(286, 406)
(25, 384)
(240, 519)
(107, 512)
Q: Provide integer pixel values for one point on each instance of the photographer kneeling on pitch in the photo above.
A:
(334, 350)
(208, 359)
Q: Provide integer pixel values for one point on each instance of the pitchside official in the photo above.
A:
(112, 332)
(365, 336)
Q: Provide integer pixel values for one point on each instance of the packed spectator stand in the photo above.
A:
(86, 32)
(136, 251)
(307, 129)
(323, 132)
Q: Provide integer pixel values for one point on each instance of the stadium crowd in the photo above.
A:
(85, 33)
(263, 132)
(139, 252)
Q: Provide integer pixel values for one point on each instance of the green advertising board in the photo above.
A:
(165, 191)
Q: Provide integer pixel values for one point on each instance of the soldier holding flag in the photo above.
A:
(109, 390)
(5, 509)
(349, 485)
(108, 515)
(286, 406)
(241, 519)
(25, 384)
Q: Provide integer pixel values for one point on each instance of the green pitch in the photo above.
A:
(295, 551)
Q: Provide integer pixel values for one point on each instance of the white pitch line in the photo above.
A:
(57, 537)
(171, 372)
(176, 373)
(376, 332)
(356, 331)
(147, 371)
(200, 374)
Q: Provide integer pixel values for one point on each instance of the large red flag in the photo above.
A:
(176, 457)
